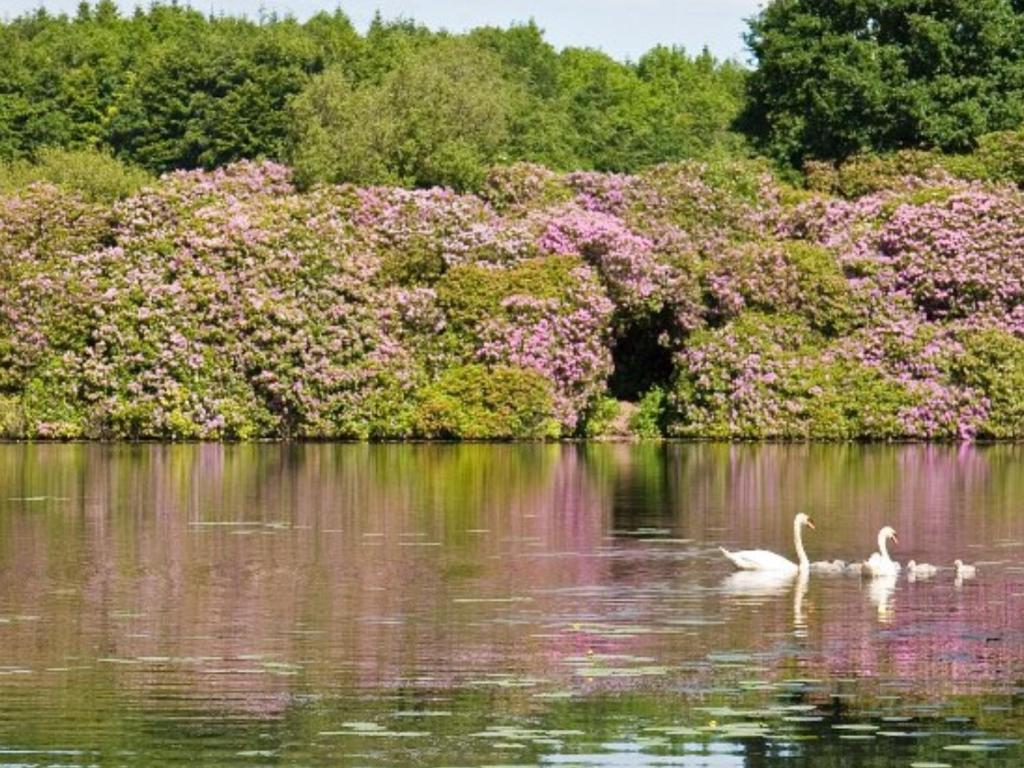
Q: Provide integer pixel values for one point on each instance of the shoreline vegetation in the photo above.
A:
(478, 237)
(692, 300)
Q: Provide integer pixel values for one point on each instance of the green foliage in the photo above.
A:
(603, 419)
(668, 107)
(440, 117)
(841, 78)
(12, 418)
(999, 157)
(340, 133)
(865, 174)
(992, 363)
(765, 376)
(169, 88)
(840, 399)
(59, 78)
(648, 420)
(96, 176)
(474, 402)
(48, 407)
(212, 95)
(540, 127)
(825, 297)
(694, 103)
(472, 294)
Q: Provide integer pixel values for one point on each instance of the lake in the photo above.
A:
(504, 605)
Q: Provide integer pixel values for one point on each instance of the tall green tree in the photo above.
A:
(60, 76)
(846, 76)
(610, 109)
(541, 129)
(440, 117)
(213, 95)
(694, 102)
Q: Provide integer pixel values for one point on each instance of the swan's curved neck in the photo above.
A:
(805, 564)
(883, 548)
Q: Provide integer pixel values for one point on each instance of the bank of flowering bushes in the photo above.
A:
(230, 305)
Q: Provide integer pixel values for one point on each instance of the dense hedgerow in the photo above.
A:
(229, 305)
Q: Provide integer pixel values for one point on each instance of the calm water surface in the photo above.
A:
(352, 605)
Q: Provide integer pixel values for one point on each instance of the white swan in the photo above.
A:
(855, 569)
(829, 566)
(763, 560)
(964, 571)
(916, 570)
(880, 564)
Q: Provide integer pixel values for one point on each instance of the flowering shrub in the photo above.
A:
(917, 293)
(766, 376)
(637, 282)
(569, 347)
(226, 304)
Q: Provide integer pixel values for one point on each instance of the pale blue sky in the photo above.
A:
(623, 28)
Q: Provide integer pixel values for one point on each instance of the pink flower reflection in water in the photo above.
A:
(245, 575)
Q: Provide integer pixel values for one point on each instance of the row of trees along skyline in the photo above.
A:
(169, 87)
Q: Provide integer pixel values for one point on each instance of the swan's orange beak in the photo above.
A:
(895, 539)
(810, 524)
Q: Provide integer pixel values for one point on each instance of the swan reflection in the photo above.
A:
(881, 590)
(799, 615)
(758, 583)
(765, 584)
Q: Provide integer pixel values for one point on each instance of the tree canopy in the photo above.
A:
(847, 76)
(170, 88)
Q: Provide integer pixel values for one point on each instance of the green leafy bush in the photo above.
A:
(825, 298)
(648, 420)
(1000, 157)
(992, 362)
(477, 402)
(96, 176)
(473, 294)
(603, 418)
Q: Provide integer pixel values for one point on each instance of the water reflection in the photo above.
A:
(388, 605)
(882, 590)
(760, 583)
(799, 614)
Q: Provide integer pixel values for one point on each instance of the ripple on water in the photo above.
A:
(496, 605)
